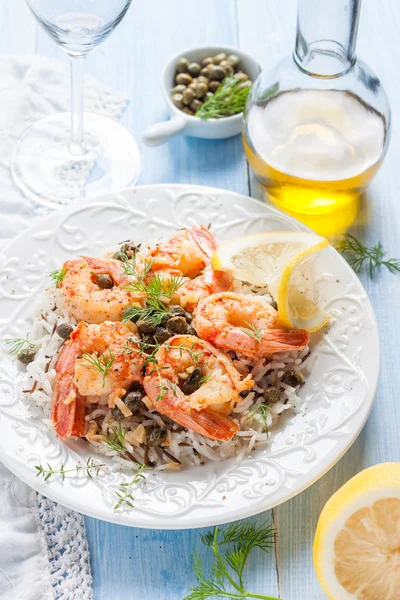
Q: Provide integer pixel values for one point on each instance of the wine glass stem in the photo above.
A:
(77, 101)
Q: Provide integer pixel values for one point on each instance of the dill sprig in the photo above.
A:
(229, 99)
(91, 468)
(225, 579)
(372, 257)
(205, 378)
(262, 410)
(17, 345)
(253, 332)
(58, 275)
(101, 363)
(124, 494)
(117, 440)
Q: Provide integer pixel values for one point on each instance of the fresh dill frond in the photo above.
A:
(225, 579)
(205, 378)
(253, 332)
(17, 345)
(124, 494)
(358, 255)
(229, 99)
(91, 468)
(58, 275)
(101, 363)
(148, 313)
(262, 410)
(117, 440)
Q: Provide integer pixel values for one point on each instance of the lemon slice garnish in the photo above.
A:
(357, 542)
(283, 261)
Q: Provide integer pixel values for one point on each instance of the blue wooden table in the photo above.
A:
(151, 565)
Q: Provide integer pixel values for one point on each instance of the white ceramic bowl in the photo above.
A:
(180, 122)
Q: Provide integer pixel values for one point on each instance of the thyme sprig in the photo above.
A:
(358, 255)
(124, 494)
(117, 440)
(231, 547)
(101, 363)
(58, 275)
(17, 345)
(253, 332)
(91, 468)
(229, 99)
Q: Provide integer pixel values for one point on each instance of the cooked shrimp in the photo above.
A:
(85, 300)
(189, 254)
(110, 346)
(195, 385)
(245, 324)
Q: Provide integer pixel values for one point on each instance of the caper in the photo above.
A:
(204, 72)
(226, 66)
(179, 89)
(177, 99)
(271, 394)
(206, 61)
(64, 330)
(161, 335)
(183, 78)
(129, 249)
(218, 58)
(195, 105)
(182, 65)
(194, 69)
(244, 84)
(216, 72)
(187, 110)
(145, 327)
(190, 330)
(176, 324)
(148, 340)
(292, 378)
(27, 356)
(213, 86)
(156, 436)
(119, 256)
(234, 59)
(202, 79)
(104, 281)
(188, 317)
(133, 401)
(177, 310)
(188, 95)
(125, 314)
(193, 85)
(192, 383)
(201, 89)
(241, 76)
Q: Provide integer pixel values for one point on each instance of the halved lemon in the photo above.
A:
(280, 260)
(357, 542)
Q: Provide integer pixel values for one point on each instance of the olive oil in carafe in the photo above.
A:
(314, 151)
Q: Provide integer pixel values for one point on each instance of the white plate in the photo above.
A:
(338, 394)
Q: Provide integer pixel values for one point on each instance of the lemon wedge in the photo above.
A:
(281, 260)
(357, 542)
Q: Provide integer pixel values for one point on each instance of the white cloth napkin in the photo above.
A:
(43, 548)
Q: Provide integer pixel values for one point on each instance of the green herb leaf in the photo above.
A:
(17, 345)
(253, 332)
(262, 410)
(58, 275)
(101, 363)
(225, 579)
(124, 493)
(229, 99)
(358, 256)
(92, 467)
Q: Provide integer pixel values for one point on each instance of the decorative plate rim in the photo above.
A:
(140, 518)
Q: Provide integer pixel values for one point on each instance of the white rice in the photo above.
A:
(184, 447)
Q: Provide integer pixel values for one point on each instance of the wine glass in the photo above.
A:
(68, 155)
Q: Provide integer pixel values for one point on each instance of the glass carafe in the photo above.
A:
(317, 126)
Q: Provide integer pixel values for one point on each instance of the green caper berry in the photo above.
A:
(161, 335)
(182, 65)
(156, 436)
(64, 330)
(194, 69)
(104, 281)
(292, 378)
(145, 327)
(27, 356)
(218, 58)
(176, 325)
(184, 78)
(272, 394)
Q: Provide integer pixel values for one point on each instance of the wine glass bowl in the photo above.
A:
(70, 155)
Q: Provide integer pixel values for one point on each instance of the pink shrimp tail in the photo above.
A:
(68, 419)
(204, 239)
(174, 406)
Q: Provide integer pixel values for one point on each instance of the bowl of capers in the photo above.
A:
(205, 90)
